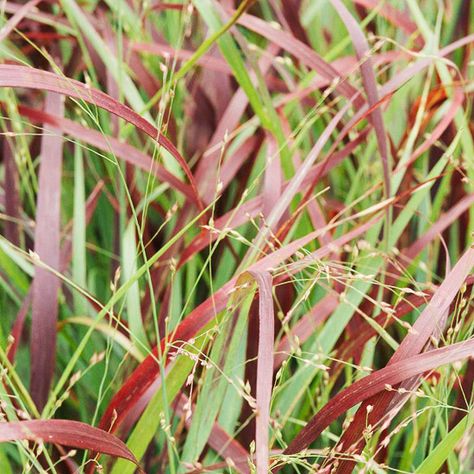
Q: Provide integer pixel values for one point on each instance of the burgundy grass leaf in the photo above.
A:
(375, 383)
(252, 207)
(345, 66)
(291, 10)
(21, 76)
(370, 85)
(66, 254)
(47, 239)
(13, 8)
(398, 80)
(266, 330)
(295, 183)
(110, 145)
(360, 338)
(443, 124)
(17, 328)
(273, 177)
(66, 433)
(242, 156)
(439, 226)
(428, 323)
(227, 123)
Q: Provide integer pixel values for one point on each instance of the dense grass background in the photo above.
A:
(236, 236)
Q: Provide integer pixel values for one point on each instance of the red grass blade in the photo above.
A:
(370, 85)
(161, 49)
(443, 124)
(264, 368)
(30, 78)
(252, 207)
(47, 240)
(272, 181)
(227, 123)
(17, 328)
(295, 183)
(375, 383)
(66, 433)
(291, 10)
(66, 253)
(439, 226)
(109, 144)
(427, 324)
(398, 80)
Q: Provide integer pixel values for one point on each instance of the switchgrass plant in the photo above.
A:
(236, 236)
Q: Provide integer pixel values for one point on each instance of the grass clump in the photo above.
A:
(236, 236)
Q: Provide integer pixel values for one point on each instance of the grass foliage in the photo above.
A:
(236, 236)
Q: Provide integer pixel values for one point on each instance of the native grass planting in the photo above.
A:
(236, 236)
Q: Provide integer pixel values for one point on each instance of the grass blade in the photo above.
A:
(375, 383)
(67, 433)
(47, 239)
(20, 76)
(264, 368)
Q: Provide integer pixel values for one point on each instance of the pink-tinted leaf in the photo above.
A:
(395, 16)
(47, 239)
(160, 49)
(266, 336)
(17, 328)
(295, 183)
(443, 124)
(66, 254)
(110, 145)
(398, 80)
(240, 157)
(439, 226)
(227, 123)
(66, 433)
(21, 76)
(291, 10)
(375, 383)
(272, 180)
(429, 322)
(252, 207)
(370, 85)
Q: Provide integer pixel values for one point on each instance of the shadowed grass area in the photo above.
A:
(236, 236)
